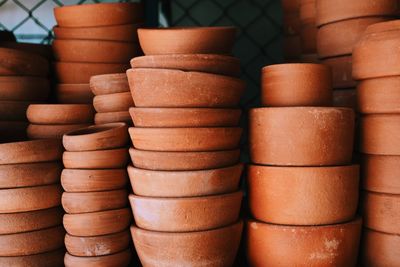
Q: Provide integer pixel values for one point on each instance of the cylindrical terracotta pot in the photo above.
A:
(14, 88)
(109, 84)
(341, 71)
(110, 117)
(122, 258)
(74, 93)
(51, 131)
(345, 98)
(48, 259)
(380, 249)
(60, 113)
(98, 159)
(113, 102)
(308, 36)
(21, 63)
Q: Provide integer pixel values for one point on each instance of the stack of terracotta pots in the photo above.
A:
(186, 171)
(375, 66)
(292, 29)
(31, 232)
(303, 190)
(308, 33)
(95, 198)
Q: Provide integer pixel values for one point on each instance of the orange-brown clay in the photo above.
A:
(341, 71)
(308, 36)
(60, 113)
(109, 83)
(79, 93)
(98, 159)
(380, 249)
(47, 259)
(51, 131)
(122, 258)
(20, 63)
(110, 117)
(14, 88)
(113, 102)
(307, 11)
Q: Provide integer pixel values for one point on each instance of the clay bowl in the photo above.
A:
(346, 98)
(292, 47)
(47, 259)
(186, 214)
(122, 258)
(216, 247)
(97, 223)
(176, 88)
(20, 63)
(307, 11)
(109, 84)
(183, 161)
(14, 88)
(111, 117)
(74, 180)
(332, 194)
(306, 136)
(380, 249)
(209, 63)
(98, 159)
(284, 245)
(308, 37)
(113, 102)
(150, 183)
(73, 93)
(43, 131)
(43, 50)
(341, 71)
(184, 117)
(296, 85)
(60, 113)
(13, 110)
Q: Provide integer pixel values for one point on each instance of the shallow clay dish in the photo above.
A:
(346, 98)
(60, 113)
(380, 249)
(20, 63)
(118, 259)
(176, 88)
(98, 159)
(109, 84)
(13, 88)
(113, 102)
(13, 110)
(47, 259)
(79, 93)
(110, 117)
(341, 71)
(308, 37)
(43, 131)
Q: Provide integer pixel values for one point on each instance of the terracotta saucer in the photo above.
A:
(79, 93)
(14, 88)
(308, 37)
(109, 84)
(43, 50)
(20, 63)
(98, 159)
(13, 110)
(341, 71)
(47, 259)
(60, 113)
(380, 249)
(118, 259)
(113, 102)
(110, 117)
(51, 131)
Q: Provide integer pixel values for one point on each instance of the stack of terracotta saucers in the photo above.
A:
(291, 30)
(303, 190)
(31, 232)
(186, 171)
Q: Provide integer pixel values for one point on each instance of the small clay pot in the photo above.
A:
(308, 36)
(210, 63)
(111, 117)
(98, 159)
(380, 249)
(74, 93)
(296, 85)
(20, 63)
(308, 195)
(43, 50)
(47, 259)
(150, 183)
(109, 84)
(51, 131)
(341, 72)
(291, 23)
(184, 117)
(316, 136)
(292, 47)
(307, 11)
(74, 180)
(97, 223)
(13, 110)
(216, 247)
(175, 88)
(13, 88)
(113, 102)
(60, 113)
(183, 161)
(346, 98)
(185, 139)
(275, 245)
(122, 258)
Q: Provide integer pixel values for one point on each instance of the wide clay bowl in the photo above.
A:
(284, 245)
(185, 139)
(20, 63)
(301, 136)
(296, 85)
(110, 117)
(380, 249)
(210, 63)
(331, 194)
(176, 88)
(118, 259)
(187, 40)
(60, 113)
(184, 117)
(95, 15)
(149, 183)
(51, 131)
(32, 242)
(98, 137)
(109, 84)
(113, 102)
(79, 93)
(210, 248)
(97, 223)
(47, 259)
(98, 159)
(14, 88)
(183, 161)
(341, 71)
(186, 214)
(13, 110)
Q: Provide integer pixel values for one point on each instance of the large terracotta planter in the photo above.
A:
(60, 113)
(13, 110)
(79, 93)
(122, 258)
(20, 63)
(109, 84)
(380, 249)
(13, 88)
(113, 102)
(47, 259)
(43, 131)
(98, 159)
(111, 117)
(341, 72)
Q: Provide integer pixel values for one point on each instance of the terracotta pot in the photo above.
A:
(51, 131)
(149, 183)
(185, 139)
(109, 84)
(280, 245)
(122, 258)
(175, 88)
(32, 242)
(111, 117)
(113, 102)
(183, 161)
(43, 50)
(291, 23)
(99, 159)
(74, 93)
(216, 247)
(380, 249)
(316, 136)
(308, 195)
(308, 11)
(13, 110)
(60, 113)
(13, 131)
(296, 85)
(93, 180)
(292, 47)
(97, 223)
(346, 98)
(341, 71)
(24, 88)
(20, 63)
(308, 37)
(184, 117)
(47, 259)
(210, 63)
(187, 40)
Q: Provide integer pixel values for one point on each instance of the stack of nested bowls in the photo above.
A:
(308, 32)
(185, 154)
(303, 190)
(291, 30)
(31, 232)
(375, 66)
(95, 198)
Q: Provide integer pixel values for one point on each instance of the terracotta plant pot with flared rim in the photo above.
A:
(345, 98)
(308, 36)
(296, 85)
(291, 24)
(111, 117)
(310, 58)
(14, 88)
(292, 47)
(60, 113)
(148, 183)
(113, 102)
(285, 245)
(341, 71)
(183, 161)
(13, 110)
(97, 223)
(109, 84)
(74, 180)
(184, 117)
(308, 195)
(122, 258)
(51, 131)
(210, 63)
(34, 242)
(31, 151)
(97, 159)
(380, 249)
(48, 259)
(217, 247)
(43, 50)
(20, 63)
(176, 88)
(68, 93)
(317, 136)
(308, 12)
(79, 72)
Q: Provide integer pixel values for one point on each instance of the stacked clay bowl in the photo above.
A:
(291, 29)
(308, 31)
(185, 168)
(303, 190)
(31, 232)
(378, 100)
(95, 198)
